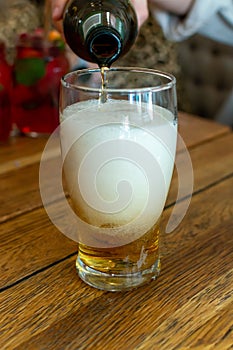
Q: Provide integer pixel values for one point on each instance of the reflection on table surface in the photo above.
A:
(45, 306)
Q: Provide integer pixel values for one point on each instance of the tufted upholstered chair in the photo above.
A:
(207, 78)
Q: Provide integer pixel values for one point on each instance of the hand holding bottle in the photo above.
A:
(100, 31)
(179, 7)
(58, 6)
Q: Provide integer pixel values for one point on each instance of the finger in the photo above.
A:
(141, 9)
(59, 27)
(58, 7)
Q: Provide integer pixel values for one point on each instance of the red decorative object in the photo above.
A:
(38, 68)
(5, 92)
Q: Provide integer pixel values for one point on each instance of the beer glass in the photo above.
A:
(118, 131)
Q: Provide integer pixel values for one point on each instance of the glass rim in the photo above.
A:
(163, 86)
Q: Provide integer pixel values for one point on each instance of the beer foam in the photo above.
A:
(118, 162)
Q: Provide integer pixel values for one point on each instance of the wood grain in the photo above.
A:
(211, 163)
(23, 155)
(31, 243)
(20, 193)
(195, 130)
(20, 147)
(35, 229)
(56, 310)
(44, 305)
(22, 151)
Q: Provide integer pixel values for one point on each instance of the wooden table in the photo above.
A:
(44, 305)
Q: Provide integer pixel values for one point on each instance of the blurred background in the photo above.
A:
(203, 68)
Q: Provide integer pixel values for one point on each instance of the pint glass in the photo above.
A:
(118, 142)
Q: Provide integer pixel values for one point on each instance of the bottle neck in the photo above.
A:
(100, 30)
(103, 33)
(104, 45)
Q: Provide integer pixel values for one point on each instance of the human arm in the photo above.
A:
(59, 6)
(141, 8)
(211, 18)
(178, 7)
(181, 18)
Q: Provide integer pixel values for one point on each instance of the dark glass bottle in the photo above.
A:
(100, 31)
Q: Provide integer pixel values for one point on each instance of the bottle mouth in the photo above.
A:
(105, 46)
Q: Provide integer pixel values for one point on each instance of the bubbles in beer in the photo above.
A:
(104, 81)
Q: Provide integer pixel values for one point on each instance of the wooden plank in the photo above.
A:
(27, 152)
(211, 162)
(22, 151)
(20, 190)
(37, 243)
(217, 330)
(136, 320)
(192, 321)
(30, 243)
(37, 225)
(20, 193)
(21, 146)
(196, 130)
(54, 309)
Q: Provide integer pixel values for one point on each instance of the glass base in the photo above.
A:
(116, 282)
